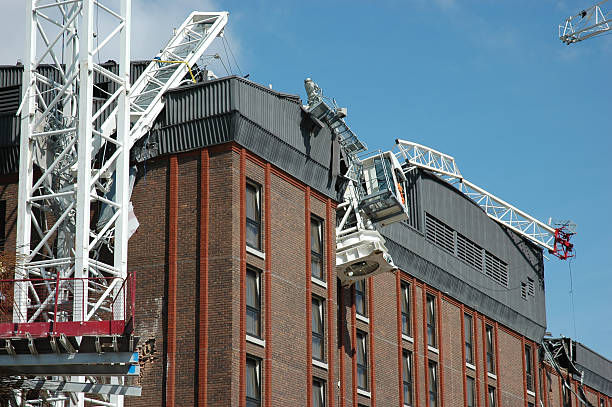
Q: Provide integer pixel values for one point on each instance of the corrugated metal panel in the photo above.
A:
(197, 101)
(9, 130)
(9, 159)
(10, 75)
(597, 369)
(9, 99)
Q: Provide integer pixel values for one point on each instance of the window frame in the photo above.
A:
(492, 394)
(318, 335)
(313, 253)
(406, 311)
(253, 401)
(255, 310)
(362, 339)
(256, 222)
(490, 343)
(361, 297)
(529, 367)
(432, 369)
(468, 328)
(407, 384)
(432, 331)
(322, 390)
(470, 389)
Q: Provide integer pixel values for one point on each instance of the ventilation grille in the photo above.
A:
(439, 234)
(496, 269)
(469, 252)
(530, 287)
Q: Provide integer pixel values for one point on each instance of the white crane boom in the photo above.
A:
(588, 23)
(555, 240)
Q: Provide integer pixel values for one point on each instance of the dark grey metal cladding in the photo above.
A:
(597, 369)
(268, 123)
(413, 253)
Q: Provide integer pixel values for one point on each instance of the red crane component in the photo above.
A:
(563, 249)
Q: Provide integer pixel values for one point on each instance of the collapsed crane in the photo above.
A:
(73, 304)
(375, 196)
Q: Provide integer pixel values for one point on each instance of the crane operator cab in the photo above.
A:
(379, 200)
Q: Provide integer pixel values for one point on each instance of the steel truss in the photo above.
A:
(588, 23)
(555, 240)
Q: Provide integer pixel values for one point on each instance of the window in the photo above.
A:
(362, 360)
(433, 384)
(492, 397)
(253, 216)
(407, 373)
(530, 404)
(253, 382)
(490, 351)
(406, 325)
(471, 393)
(602, 403)
(316, 248)
(360, 297)
(318, 329)
(528, 367)
(2, 224)
(467, 324)
(318, 393)
(253, 303)
(431, 321)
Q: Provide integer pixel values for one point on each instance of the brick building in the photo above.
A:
(238, 299)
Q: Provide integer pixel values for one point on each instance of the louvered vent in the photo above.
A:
(496, 269)
(530, 287)
(439, 234)
(469, 252)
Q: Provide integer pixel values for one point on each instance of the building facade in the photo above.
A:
(237, 295)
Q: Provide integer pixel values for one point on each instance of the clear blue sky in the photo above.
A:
(525, 116)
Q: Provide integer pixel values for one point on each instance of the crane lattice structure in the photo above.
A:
(588, 23)
(73, 298)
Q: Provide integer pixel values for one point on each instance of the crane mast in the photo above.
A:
(71, 282)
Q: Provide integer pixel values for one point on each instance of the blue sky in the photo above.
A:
(525, 116)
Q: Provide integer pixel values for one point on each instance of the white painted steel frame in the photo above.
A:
(587, 23)
(57, 135)
(445, 166)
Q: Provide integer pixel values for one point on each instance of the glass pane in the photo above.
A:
(317, 348)
(361, 352)
(317, 317)
(492, 401)
(252, 291)
(405, 299)
(253, 326)
(316, 267)
(405, 325)
(359, 304)
(252, 204)
(470, 392)
(315, 236)
(252, 382)
(317, 394)
(362, 377)
(253, 235)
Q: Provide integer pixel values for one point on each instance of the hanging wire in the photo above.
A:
(571, 292)
(233, 56)
(226, 55)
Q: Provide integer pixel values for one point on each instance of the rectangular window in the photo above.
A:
(362, 360)
(406, 325)
(529, 367)
(253, 382)
(471, 393)
(318, 393)
(2, 224)
(318, 329)
(468, 328)
(316, 248)
(530, 404)
(253, 303)
(433, 384)
(360, 297)
(490, 350)
(253, 216)
(602, 403)
(431, 321)
(407, 373)
(492, 397)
